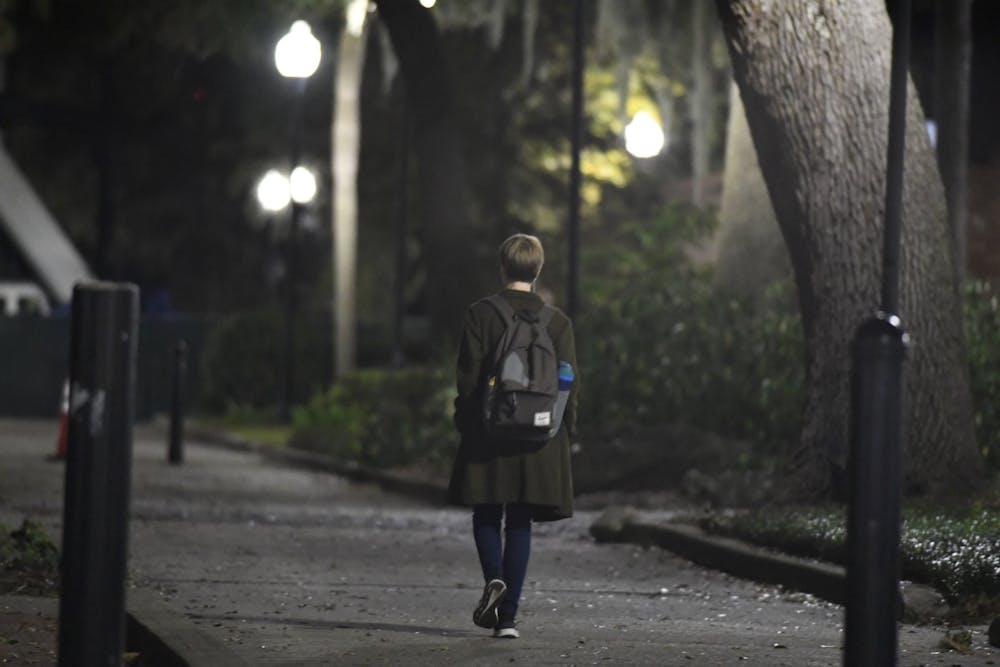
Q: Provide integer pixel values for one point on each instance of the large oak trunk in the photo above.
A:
(457, 270)
(814, 78)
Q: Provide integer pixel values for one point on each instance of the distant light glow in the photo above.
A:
(298, 53)
(355, 16)
(273, 192)
(302, 185)
(932, 132)
(427, 4)
(643, 136)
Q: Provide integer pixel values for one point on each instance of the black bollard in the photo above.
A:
(879, 350)
(104, 337)
(175, 451)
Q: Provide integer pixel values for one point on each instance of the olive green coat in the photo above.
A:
(488, 471)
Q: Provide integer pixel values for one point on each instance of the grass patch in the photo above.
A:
(29, 561)
(255, 429)
(957, 551)
(275, 435)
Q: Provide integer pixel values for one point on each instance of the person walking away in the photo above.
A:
(513, 461)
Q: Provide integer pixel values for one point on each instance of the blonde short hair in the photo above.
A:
(521, 257)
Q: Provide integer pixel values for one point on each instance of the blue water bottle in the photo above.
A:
(565, 375)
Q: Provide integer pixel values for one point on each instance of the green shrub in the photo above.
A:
(659, 343)
(957, 552)
(244, 361)
(242, 358)
(29, 561)
(960, 554)
(382, 417)
(982, 330)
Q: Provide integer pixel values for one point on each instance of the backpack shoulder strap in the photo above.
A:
(502, 307)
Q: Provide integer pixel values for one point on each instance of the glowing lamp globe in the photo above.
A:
(298, 53)
(643, 136)
(273, 192)
(302, 185)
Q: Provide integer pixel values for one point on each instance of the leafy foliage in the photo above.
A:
(660, 343)
(958, 552)
(382, 417)
(982, 330)
(29, 561)
(241, 359)
(244, 362)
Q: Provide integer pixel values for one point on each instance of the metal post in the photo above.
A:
(291, 247)
(895, 155)
(175, 453)
(573, 296)
(291, 309)
(398, 356)
(879, 351)
(104, 336)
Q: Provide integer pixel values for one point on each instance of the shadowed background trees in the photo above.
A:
(146, 126)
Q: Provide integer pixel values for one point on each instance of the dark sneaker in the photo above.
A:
(506, 629)
(485, 615)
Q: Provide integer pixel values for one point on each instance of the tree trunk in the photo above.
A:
(459, 269)
(814, 77)
(346, 134)
(952, 69)
(751, 252)
(700, 93)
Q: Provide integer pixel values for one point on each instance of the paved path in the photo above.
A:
(290, 567)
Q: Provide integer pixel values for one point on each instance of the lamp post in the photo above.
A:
(275, 192)
(297, 57)
(879, 353)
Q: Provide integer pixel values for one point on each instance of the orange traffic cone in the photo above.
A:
(63, 423)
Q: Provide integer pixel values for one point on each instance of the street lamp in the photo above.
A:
(302, 185)
(644, 137)
(297, 56)
(298, 53)
(275, 192)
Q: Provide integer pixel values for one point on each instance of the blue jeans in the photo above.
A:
(506, 560)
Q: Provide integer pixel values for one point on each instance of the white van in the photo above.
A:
(22, 298)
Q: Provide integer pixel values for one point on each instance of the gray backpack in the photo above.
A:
(521, 397)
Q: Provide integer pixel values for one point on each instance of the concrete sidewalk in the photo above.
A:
(29, 633)
(921, 603)
(240, 560)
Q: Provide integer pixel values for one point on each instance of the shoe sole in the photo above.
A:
(506, 633)
(485, 615)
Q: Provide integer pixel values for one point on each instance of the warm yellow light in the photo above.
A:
(302, 185)
(643, 136)
(298, 53)
(273, 192)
